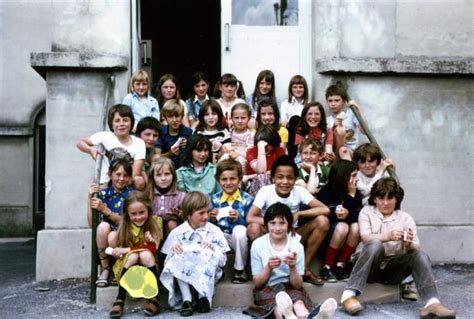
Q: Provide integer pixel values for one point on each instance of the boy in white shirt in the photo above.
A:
(312, 224)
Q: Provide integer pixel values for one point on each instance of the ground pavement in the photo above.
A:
(22, 297)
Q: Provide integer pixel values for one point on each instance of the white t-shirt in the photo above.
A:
(262, 250)
(267, 196)
(290, 109)
(136, 149)
(350, 123)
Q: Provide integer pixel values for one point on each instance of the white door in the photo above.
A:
(252, 41)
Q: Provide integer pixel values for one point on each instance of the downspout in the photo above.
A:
(134, 37)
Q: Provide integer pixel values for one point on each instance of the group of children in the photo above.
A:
(192, 180)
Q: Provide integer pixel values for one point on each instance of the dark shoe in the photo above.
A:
(239, 277)
(327, 275)
(186, 309)
(152, 308)
(203, 306)
(408, 293)
(312, 278)
(437, 310)
(117, 309)
(351, 306)
(340, 273)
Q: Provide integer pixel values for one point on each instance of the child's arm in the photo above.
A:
(311, 184)
(254, 216)
(316, 208)
(260, 165)
(262, 277)
(296, 280)
(85, 145)
(353, 104)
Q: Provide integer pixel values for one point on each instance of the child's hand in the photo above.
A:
(94, 152)
(395, 235)
(307, 166)
(291, 260)
(96, 203)
(149, 238)
(216, 145)
(342, 213)
(330, 157)
(234, 215)
(261, 145)
(234, 154)
(213, 214)
(119, 252)
(206, 245)
(386, 163)
(274, 262)
(177, 248)
(284, 123)
(175, 150)
(183, 143)
(95, 188)
(409, 238)
(175, 211)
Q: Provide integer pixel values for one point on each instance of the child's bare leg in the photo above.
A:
(103, 230)
(339, 236)
(169, 226)
(353, 238)
(300, 309)
(254, 231)
(132, 259)
(345, 153)
(146, 258)
(112, 239)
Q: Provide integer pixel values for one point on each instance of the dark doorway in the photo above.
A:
(185, 37)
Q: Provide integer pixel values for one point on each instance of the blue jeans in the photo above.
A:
(367, 269)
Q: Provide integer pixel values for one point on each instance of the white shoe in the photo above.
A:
(326, 309)
(285, 305)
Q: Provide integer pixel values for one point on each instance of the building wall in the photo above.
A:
(409, 65)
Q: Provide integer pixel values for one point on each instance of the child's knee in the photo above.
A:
(147, 258)
(103, 229)
(322, 223)
(342, 229)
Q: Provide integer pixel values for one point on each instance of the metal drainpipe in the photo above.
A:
(134, 36)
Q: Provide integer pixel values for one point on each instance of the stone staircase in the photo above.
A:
(240, 295)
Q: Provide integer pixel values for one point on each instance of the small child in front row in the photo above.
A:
(162, 189)
(372, 167)
(313, 174)
(148, 129)
(109, 203)
(196, 252)
(390, 252)
(137, 241)
(277, 260)
(211, 125)
(229, 211)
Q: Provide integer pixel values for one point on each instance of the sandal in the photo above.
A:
(117, 309)
(153, 307)
(103, 281)
(311, 278)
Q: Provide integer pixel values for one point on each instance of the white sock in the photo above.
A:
(185, 290)
(432, 301)
(347, 293)
(340, 264)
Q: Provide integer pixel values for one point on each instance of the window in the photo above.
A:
(265, 12)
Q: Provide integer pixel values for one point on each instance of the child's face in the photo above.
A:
(200, 89)
(386, 205)
(264, 87)
(240, 119)
(309, 155)
(335, 103)
(297, 90)
(140, 87)
(211, 119)
(168, 90)
(228, 90)
(267, 115)
(277, 228)
(229, 181)
(313, 117)
(367, 167)
(200, 156)
(121, 125)
(163, 177)
(174, 121)
(199, 218)
(119, 178)
(284, 180)
(138, 213)
(149, 136)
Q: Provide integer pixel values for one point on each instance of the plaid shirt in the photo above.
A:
(242, 205)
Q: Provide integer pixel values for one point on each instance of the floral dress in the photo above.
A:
(200, 268)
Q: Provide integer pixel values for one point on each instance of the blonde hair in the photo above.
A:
(155, 167)
(173, 107)
(139, 76)
(194, 201)
(124, 238)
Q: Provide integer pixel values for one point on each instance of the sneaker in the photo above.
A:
(186, 309)
(437, 310)
(408, 293)
(327, 275)
(325, 310)
(340, 273)
(285, 305)
(203, 305)
(239, 277)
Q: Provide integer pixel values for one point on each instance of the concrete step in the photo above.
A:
(233, 295)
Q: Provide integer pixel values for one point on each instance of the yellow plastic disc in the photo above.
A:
(139, 282)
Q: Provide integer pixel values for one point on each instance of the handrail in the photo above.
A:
(98, 165)
(372, 139)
